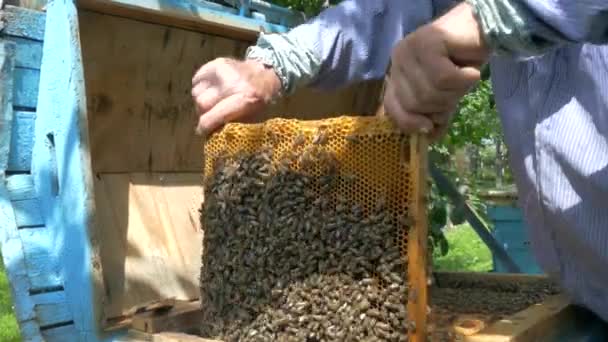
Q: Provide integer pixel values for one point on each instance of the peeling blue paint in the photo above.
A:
(68, 214)
(24, 23)
(22, 140)
(29, 52)
(25, 87)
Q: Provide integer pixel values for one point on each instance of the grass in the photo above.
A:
(9, 330)
(467, 252)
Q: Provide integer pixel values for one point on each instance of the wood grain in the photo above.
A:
(183, 317)
(532, 324)
(417, 240)
(138, 80)
(150, 238)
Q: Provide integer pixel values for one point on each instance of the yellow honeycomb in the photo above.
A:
(372, 158)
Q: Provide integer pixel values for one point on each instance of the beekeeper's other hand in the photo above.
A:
(431, 69)
(227, 90)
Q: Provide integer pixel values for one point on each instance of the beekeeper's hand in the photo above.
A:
(227, 90)
(431, 69)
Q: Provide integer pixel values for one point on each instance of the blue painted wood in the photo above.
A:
(68, 213)
(510, 231)
(23, 22)
(16, 269)
(7, 66)
(29, 52)
(20, 187)
(10, 242)
(61, 334)
(505, 213)
(28, 213)
(51, 308)
(22, 141)
(25, 87)
(43, 265)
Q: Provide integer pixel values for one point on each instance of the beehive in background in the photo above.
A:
(309, 230)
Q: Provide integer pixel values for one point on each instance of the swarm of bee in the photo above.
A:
(285, 261)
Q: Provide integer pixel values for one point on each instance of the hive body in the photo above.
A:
(306, 226)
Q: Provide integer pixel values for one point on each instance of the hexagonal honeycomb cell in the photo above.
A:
(368, 158)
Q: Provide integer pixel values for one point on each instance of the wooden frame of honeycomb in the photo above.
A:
(370, 163)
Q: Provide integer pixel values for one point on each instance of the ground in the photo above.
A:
(467, 253)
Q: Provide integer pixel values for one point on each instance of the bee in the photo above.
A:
(299, 140)
(352, 139)
(320, 138)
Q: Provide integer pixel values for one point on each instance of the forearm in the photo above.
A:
(531, 27)
(347, 43)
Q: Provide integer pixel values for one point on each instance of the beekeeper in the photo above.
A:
(550, 78)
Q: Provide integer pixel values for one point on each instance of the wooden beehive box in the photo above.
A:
(101, 170)
(99, 166)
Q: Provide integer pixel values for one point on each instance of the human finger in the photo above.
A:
(408, 122)
(228, 109)
(208, 98)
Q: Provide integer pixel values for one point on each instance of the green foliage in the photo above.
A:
(9, 330)
(476, 121)
(467, 252)
(310, 7)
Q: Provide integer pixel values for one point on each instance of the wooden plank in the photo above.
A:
(20, 187)
(37, 5)
(417, 240)
(138, 336)
(138, 92)
(25, 23)
(22, 141)
(28, 213)
(61, 110)
(172, 14)
(61, 334)
(7, 65)
(51, 308)
(179, 337)
(28, 52)
(468, 279)
(183, 317)
(532, 324)
(16, 269)
(43, 267)
(25, 87)
(144, 217)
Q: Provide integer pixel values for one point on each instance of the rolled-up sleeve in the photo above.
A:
(532, 27)
(347, 43)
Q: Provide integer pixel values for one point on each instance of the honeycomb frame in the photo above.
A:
(368, 154)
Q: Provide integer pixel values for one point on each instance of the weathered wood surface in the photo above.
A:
(175, 14)
(7, 66)
(138, 78)
(535, 323)
(151, 238)
(25, 23)
(417, 249)
(62, 176)
(182, 317)
(138, 336)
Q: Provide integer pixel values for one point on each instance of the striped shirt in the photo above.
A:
(553, 107)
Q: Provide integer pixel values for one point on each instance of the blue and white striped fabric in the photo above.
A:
(554, 110)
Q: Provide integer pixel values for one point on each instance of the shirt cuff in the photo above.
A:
(511, 29)
(294, 64)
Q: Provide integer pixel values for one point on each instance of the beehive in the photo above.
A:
(360, 162)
